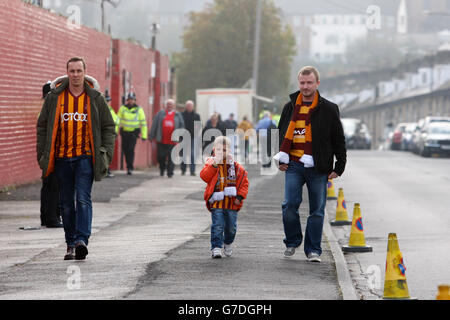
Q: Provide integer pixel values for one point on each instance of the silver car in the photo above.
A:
(435, 139)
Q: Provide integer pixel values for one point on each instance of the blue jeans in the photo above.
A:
(75, 178)
(296, 176)
(223, 227)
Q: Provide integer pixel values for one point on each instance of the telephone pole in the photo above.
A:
(256, 55)
(114, 3)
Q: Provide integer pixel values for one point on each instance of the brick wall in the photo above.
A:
(132, 65)
(34, 52)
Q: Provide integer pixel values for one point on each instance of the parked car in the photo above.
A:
(435, 138)
(357, 135)
(421, 125)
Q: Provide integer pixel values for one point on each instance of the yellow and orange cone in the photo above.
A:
(341, 211)
(331, 195)
(444, 293)
(357, 241)
(395, 286)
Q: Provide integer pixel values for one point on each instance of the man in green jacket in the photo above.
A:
(75, 139)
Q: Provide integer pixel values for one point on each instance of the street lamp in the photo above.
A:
(154, 29)
(114, 3)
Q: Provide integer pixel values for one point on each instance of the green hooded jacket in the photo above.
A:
(101, 124)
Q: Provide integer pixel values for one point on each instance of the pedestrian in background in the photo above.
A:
(227, 187)
(132, 125)
(213, 123)
(263, 128)
(189, 118)
(246, 125)
(50, 212)
(311, 135)
(164, 123)
(231, 124)
(116, 122)
(75, 139)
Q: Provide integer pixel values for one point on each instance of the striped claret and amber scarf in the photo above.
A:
(225, 188)
(298, 139)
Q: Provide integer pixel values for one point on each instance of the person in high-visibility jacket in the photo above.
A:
(132, 123)
(116, 122)
(113, 113)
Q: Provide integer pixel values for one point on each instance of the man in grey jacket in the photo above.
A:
(164, 123)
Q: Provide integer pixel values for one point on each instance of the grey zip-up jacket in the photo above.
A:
(156, 130)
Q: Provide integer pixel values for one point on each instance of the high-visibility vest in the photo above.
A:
(133, 118)
(115, 118)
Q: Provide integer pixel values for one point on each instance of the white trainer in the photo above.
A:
(216, 253)
(228, 250)
(314, 257)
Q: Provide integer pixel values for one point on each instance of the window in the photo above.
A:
(297, 21)
(299, 40)
(307, 21)
(426, 5)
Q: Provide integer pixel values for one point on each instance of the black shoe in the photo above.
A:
(54, 225)
(183, 173)
(193, 174)
(81, 251)
(129, 172)
(70, 253)
(161, 173)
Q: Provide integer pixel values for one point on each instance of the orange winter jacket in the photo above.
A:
(209, 174)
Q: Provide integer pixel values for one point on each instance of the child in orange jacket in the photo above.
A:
(227, 187)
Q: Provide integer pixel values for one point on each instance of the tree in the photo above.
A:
(218, 49)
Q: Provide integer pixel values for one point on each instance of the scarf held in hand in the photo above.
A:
(300, 123)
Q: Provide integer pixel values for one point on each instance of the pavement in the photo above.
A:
(150, 240)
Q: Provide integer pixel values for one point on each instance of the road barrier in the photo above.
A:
(444, 292)
(357, 242)
(331, 195)
(341, 211)
(395, 286)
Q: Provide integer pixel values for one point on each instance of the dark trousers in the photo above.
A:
(246, 149)
(129, 140)
(164, 159)
(192, 164)
(50, 213)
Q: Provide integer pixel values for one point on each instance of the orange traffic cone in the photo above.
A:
(341, 211)
(357, 242)
(444, 293)
(330, 190)
(395, 286)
